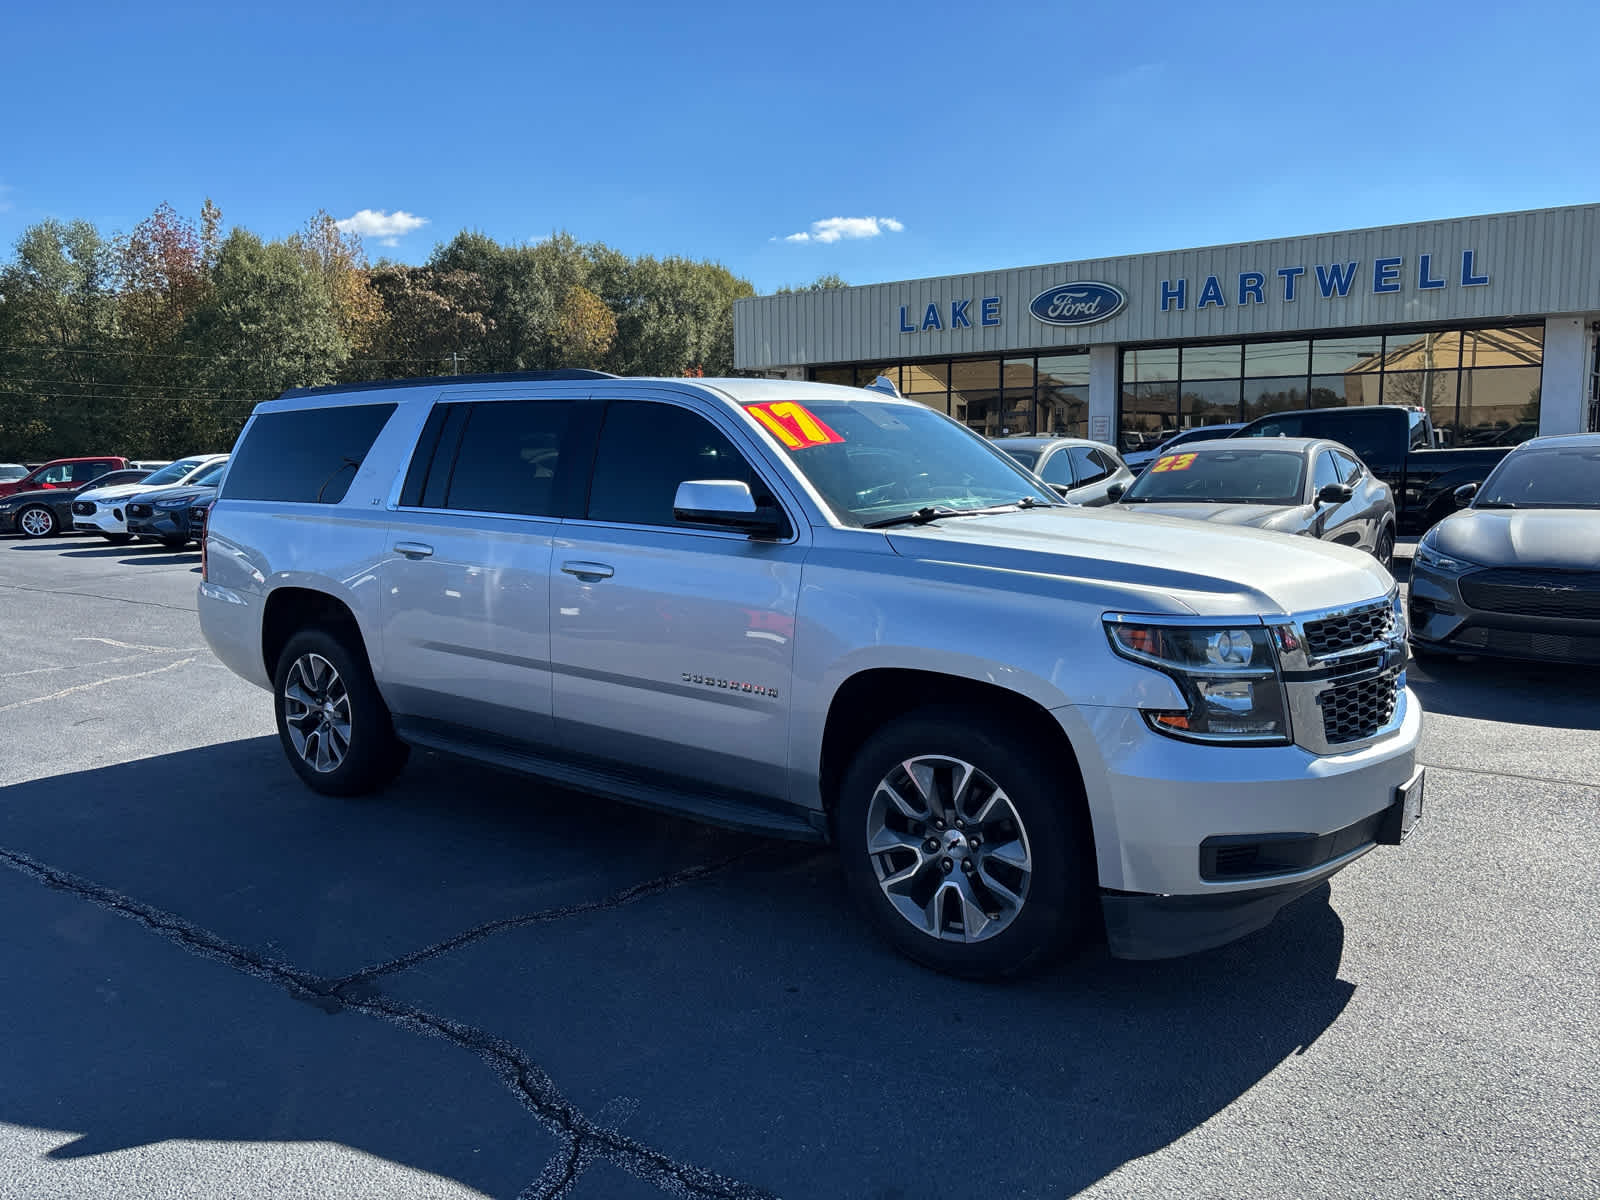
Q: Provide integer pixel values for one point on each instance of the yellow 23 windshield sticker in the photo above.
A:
(1173, 462)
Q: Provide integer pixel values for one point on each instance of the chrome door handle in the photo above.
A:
(413, 549)
(588, 572)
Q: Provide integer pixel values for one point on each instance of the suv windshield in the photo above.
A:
(875, 460)
(1558, 477)
(173, 472)
(1244, 476)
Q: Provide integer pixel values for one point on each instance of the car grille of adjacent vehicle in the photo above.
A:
(139, 510)
(1359, 627)
(83, 508)
(1535, 593)
(1352, 711)
(1520, 643)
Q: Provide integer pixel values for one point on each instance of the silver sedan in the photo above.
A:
(1292, 485)
(1080, 471)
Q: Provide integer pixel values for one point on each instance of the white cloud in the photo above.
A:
(387, 227)
(833, 229)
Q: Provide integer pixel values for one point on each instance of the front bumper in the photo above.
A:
(1154, 802)
(106, 518)
(162, 523)
(1441, 620)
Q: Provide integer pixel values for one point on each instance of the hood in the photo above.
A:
(1257, 516)
(1563, 538)
(117, 491)
(1151, 563)
(180, 491)
(49, 495)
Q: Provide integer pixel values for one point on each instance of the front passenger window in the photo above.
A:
(646, 450)
(1326, 473)
(1058, 470)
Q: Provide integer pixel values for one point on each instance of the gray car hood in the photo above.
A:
(1255, 515)
(1565, 538)
(1163, 563)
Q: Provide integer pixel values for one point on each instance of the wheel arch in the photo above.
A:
(290, 609)
(872, 697)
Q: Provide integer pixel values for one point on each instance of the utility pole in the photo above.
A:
(455, 365)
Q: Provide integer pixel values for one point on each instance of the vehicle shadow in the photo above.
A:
(762, 1031)
(164, 558)
(1551, 695)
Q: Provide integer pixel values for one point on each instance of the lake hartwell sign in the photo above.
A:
(1090, 301)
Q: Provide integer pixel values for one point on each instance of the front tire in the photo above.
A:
(334, 726)
(1384, 550)
(964, 852)
(37, 521)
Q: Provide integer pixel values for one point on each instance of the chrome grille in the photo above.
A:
(1346, 631)
(1357, 710)
(83, 508)
(1535, 593)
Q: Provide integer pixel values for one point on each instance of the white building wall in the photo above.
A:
(1103, 394)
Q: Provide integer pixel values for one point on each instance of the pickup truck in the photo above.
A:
(1398, 445)
(828, 614)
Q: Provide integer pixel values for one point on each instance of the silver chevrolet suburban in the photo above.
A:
(821, 613)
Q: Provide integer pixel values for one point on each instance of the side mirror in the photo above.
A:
(1465, 493)
(1116, 491)
(725, 504)
(1335, 493)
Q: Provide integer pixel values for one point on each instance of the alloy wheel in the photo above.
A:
(316, 708)
(37, 522)
(949, 849)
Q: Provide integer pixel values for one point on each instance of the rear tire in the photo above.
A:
(963, 851)
(118, 539)
(37, 521)
(334, 726)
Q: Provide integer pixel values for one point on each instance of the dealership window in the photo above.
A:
(1023, 394)
(1480, 386)
(1064, 394)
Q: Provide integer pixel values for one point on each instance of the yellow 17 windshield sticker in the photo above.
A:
(793, 424)
(1173, 462)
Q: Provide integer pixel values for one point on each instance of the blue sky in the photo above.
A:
(991, 134)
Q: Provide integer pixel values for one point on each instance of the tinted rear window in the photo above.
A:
(309, 456)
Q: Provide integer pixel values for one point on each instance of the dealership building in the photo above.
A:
(1489, 322)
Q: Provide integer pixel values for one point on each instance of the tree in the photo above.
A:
(673, 314)
(270, 322)
(821, 283)
(57, 323)
(342, 262)
(428, 315)
(584, 329)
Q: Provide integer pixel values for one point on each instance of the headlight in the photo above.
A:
(172, 503)
(1228, 674)
(1428, 555)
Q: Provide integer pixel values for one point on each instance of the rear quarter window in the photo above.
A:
(308, 456)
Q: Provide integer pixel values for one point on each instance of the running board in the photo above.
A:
(748, 815)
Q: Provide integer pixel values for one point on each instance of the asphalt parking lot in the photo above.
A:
(215, 983)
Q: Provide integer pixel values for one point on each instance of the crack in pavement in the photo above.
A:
(17, 587)
(566, 1167)
(92, 684)
(627, 895)
(583, 1140)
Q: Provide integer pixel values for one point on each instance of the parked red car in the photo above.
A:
(63, 473)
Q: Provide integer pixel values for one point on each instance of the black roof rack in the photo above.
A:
(369, 385)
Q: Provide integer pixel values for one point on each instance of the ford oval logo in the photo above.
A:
(1081, 303)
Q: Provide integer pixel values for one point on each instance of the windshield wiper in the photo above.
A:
(1494, 504)
(923, 515)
